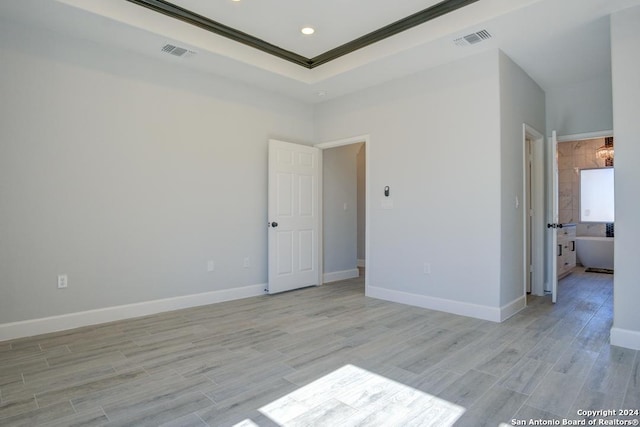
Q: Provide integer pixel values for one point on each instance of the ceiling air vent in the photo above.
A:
(472, 38)
(177, 51)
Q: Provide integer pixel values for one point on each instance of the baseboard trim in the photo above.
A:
(508, 310)
(361, 263)
(63, 322)
(626, 338)
(340, 275)
(450, 306)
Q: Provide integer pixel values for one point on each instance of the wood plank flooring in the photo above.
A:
(326, 356)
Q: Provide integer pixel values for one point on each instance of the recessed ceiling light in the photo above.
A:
(307, 31)
(321, 93)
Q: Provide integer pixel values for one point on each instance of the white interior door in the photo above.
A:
(553, 216)
(294, 216)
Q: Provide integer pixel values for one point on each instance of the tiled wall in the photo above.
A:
(573, 156)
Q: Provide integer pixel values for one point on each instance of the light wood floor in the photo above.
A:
(326, 356)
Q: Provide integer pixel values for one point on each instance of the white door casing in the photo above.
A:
(553, 216)
(294, 216)
(528, 199)
(535, 212)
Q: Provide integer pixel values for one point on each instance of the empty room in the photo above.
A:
(318, 213)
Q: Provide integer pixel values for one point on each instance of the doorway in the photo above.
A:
(568, 155)
(578, 157)
(344, 227)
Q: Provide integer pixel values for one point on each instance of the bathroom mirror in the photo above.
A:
(596, 195)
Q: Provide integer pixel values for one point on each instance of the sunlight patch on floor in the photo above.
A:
(354, 396)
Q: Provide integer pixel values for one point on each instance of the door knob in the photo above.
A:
(274, 224)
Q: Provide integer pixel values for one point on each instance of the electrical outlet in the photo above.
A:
(246, 263)
(211, 265)
(63, 280)
(427, 268)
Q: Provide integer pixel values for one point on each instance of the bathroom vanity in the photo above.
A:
(566, 250)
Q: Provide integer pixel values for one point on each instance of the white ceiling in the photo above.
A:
(279, 21)
(558, 42)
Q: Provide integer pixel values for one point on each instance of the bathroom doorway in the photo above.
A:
(585, 244)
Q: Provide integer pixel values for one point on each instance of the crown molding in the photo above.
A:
(184, 15)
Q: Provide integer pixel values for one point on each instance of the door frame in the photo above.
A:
(553, 218)
(586, 135)
(537, 244)
(366, 139)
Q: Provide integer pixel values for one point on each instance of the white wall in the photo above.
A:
(340, 225)
(580, 108)
(626, 95)
(521, 101)
(128, 175)
(435, 141)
